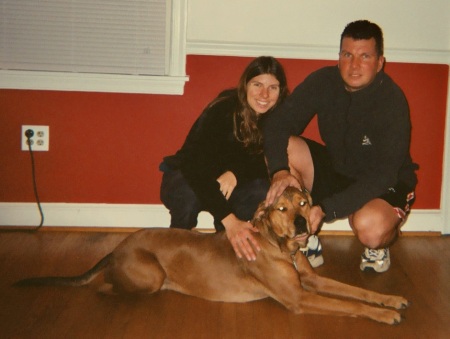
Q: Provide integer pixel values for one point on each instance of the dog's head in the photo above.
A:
(286, 221)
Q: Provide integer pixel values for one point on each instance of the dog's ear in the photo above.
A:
(262, 222)
(265, 228)
(307, 194)
(260, 211)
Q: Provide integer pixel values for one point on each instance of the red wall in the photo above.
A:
(106, 147)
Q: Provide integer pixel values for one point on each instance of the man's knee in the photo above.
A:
(300, 161)
(375, 225)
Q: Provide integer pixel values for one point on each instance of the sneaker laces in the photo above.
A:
(374, 254)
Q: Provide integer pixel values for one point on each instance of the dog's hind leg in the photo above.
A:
(139, 272)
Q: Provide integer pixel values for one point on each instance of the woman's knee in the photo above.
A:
(246, 199)
(175, 189)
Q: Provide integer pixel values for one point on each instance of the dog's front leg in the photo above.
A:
(332, 287)
(289, 292)
(311, 303)
(312, 281)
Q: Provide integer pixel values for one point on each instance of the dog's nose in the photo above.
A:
(300, 225)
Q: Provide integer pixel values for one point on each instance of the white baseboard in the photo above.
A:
(128, 215)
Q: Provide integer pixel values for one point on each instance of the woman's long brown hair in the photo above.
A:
(246, 127)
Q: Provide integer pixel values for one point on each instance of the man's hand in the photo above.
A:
(316, 216)
(240, 235)
(280, 181)
(227, 183)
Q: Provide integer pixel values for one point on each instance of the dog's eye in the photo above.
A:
(282, 209)
(302, 203)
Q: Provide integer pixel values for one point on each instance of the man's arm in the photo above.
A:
(280, 181)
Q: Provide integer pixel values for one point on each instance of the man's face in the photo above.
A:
(359, 63)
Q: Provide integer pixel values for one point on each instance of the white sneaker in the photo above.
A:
(313, 251)
(376, 260)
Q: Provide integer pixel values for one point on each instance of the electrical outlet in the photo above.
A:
(39, 140)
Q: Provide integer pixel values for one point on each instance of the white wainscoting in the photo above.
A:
(298, 51)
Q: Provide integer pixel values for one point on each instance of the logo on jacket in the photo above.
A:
(366, 141)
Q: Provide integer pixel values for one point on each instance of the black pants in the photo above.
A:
(184, 206)
(328, 182)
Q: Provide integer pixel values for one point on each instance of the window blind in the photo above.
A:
(86, 36)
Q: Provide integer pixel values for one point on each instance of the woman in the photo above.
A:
(221, 166)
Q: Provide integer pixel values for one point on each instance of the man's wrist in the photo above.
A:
(284, 169)
(322, 208)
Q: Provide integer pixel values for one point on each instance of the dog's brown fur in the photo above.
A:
(205, 265)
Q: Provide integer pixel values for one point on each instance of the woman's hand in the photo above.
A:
(227, 183)
(240, 234)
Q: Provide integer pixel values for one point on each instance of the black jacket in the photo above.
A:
(367, 134)
(211, 149)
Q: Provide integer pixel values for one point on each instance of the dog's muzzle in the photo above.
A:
(301, 226)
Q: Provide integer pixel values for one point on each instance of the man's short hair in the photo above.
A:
(364, 30)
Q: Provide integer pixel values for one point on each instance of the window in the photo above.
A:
(132, 46)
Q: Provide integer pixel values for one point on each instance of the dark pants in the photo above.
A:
(184, 206)
(328, 182)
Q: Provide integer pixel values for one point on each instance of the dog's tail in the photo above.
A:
(73, 281)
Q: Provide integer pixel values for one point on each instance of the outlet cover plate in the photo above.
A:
(39, 141)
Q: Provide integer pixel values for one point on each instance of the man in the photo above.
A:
(364, 172)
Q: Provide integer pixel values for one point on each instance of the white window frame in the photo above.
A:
(173, 83)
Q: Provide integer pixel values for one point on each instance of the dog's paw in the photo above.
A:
(389, 317)
(396, 318)
(401, 303)
(396, 302)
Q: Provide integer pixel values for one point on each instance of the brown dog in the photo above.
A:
(205, 265)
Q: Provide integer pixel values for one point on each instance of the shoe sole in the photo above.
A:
(368, 268)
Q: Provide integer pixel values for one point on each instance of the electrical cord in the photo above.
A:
(29, 134)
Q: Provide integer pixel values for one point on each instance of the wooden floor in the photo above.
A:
(420, 271)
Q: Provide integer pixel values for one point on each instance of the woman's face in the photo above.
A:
(263, 92)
